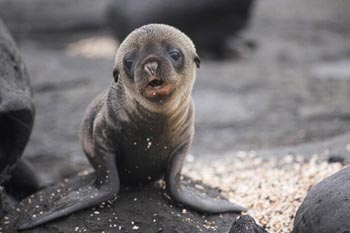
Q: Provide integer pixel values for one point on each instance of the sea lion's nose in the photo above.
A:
(151, 67)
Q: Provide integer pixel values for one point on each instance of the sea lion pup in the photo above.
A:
(141, 128)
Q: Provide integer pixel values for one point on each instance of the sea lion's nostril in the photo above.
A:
(151, 68)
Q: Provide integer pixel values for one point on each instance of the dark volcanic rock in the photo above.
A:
(144, 209)
(7, 203)
(16, 109)
(326, 206)
(246, 224)
(208, 23)
(336, 159)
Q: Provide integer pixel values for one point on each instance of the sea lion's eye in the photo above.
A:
(128, 63)
(175, 55)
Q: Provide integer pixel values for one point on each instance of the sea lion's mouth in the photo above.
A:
(156, 83)
(157, 88)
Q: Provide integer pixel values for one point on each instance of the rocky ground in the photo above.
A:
(289, 95)
(144, 209)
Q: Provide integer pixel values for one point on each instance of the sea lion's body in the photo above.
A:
(145, 140)
(141, 128)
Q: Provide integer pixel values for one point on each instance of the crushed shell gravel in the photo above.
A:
(272, 189)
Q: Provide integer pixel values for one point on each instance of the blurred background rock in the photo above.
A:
(291, 93)
(211, 24)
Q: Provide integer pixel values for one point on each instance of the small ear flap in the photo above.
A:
(197, 60)
(115, 74)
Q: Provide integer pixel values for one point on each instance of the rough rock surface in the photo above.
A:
(16, 109)
(326, 206)
(7, 203)
(246, 224)
(144, 209)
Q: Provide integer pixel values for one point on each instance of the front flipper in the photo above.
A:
(105, 187)
(194, 200)
(76, 200)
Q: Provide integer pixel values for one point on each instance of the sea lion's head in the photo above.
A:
(156, 63)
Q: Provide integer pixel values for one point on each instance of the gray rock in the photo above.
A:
(141, 209)
(7, 203)
(16, 109)
(326, 206)
(246, 224)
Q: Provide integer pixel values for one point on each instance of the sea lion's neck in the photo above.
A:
(134, 108)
